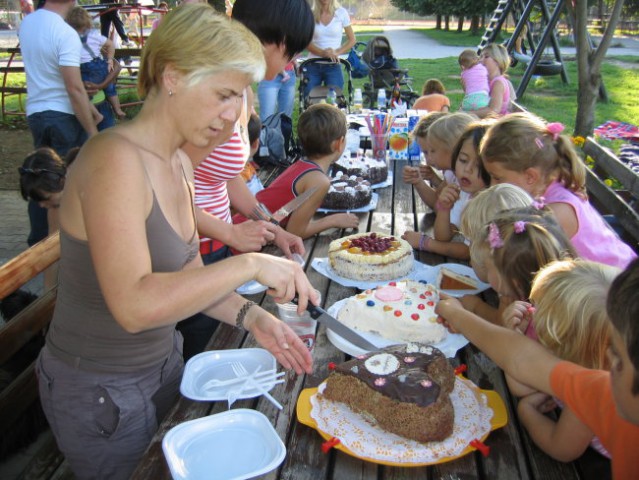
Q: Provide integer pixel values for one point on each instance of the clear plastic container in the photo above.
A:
(358, 101)
(381, 99)
(331, 98)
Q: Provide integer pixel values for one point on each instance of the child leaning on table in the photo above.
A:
(606, 402)
(423, 177)
(522, 149)
(469, 179)
(570, 321)
(321, 130)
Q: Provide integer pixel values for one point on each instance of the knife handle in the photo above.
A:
(314, 312)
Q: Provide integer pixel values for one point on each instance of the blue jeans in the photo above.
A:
(96, 71)
(107, 112)
(60, 131)
(317, 74)
(276, 93)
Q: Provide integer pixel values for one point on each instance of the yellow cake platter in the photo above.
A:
(494, 402)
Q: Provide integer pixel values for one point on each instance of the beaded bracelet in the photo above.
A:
(241, 315)
(424, 240)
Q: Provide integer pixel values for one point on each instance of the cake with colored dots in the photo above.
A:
(404, 390)
(371, 257)
(402, 311)
(347, 193)
(371, 169)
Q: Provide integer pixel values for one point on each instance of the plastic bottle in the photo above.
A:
(331, 98)
(381, 99)
(358, 102)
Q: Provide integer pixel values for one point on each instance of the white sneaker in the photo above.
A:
(128, 43)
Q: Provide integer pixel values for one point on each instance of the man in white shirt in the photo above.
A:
(57, 104)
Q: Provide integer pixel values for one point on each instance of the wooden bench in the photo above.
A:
(607, 200)
(22, 392)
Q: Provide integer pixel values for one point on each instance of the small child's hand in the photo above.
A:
(446, 309)
(411, 175)
(345, 220)
(427, 173)
(448, 196)
(517, 316)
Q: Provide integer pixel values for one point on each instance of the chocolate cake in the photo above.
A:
(370, 169)
(404, 390)
(347, 193)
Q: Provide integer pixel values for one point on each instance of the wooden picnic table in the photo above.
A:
(512, 454)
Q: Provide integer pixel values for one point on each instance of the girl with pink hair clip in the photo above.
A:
(524, 150)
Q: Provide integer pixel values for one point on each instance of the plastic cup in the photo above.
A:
(378, 146)
(303, 325)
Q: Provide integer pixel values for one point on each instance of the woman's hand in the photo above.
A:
(251, 236)
(288, 242)
(345, 220)
(285, 279)
(448, 196)
(517, 316)
(279, 339)
(331, 53)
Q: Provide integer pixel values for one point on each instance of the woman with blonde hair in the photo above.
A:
(130, 268)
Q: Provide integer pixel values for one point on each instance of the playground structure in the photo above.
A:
(15, 64)
(535, 32)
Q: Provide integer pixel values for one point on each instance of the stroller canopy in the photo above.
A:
(379, 54)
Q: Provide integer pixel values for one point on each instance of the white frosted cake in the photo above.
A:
(370, 169)
(371, 257)
(402, 311)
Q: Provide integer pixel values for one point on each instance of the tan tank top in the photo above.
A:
(83, 333)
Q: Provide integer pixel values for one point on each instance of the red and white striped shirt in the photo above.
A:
(224, 163)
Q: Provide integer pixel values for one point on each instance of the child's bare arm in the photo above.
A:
(447, 249)
(564, 440)
(108, 49)
(511, 351)
(427, 193)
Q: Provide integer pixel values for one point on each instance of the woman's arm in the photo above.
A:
(112, 197)
(495, 103)
(565, 439)
(348, 44)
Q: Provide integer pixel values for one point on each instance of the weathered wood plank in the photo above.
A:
(612, 165)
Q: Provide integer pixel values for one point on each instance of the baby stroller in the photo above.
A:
(319, 93)
(384, 72)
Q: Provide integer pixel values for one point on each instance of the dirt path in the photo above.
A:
(15, 144)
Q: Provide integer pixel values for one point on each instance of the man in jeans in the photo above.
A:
(58, 110)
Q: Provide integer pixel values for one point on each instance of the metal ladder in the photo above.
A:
(500, 15)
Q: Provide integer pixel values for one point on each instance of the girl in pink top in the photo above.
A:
(523, 150)
(474, 78)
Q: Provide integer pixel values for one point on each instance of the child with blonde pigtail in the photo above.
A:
(524, 150)
(469, 179)
(571, 321)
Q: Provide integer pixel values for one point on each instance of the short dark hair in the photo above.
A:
(42, 172)
(623, 309)
(433, 85)
(254, 127)
(318, 127)
(474, 131)
(280, 22)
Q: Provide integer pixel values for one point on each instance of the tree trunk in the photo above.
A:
(438, 22)
(447, 22)
(474, 25)
(589, 62)
(460, 23)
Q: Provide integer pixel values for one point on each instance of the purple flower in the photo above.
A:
(494, 239)
(520, 226)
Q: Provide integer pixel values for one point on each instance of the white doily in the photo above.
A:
(472, 421)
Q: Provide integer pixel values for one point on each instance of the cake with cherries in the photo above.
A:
(370, 257)
(347, 193)
(449, 280)
(404, 390)
(402, 311)
(370, 169)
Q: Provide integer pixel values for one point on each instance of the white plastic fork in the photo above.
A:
(265, 377)
(241, 371)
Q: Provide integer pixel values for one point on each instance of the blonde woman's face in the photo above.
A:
(207, 109)
(490, 64)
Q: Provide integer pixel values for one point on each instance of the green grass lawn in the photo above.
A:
(548, 97)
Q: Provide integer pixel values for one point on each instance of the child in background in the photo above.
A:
(322, 133)
(606, 402)
(570, 321)
(96, 58)
(474, 79)
(433, 97)
(469, 179)
(249, 174)
(415, 175)
(522, 149)
(441, 139)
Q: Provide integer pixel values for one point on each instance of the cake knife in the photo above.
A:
(347, 333)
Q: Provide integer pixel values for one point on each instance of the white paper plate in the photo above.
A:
(448, 346)
(216, 364)
(235, 445)
(366, 208)
(323, 266)
(430, 276)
